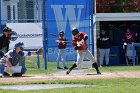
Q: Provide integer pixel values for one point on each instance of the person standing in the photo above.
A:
(128, 39)
(62, 43)
(104, 44)
(5, 41)
(79, 43)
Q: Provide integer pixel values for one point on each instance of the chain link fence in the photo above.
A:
(21, 11)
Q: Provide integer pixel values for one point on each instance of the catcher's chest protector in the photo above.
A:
(18, 59)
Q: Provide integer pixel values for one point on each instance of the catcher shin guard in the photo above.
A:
(96, 67)
(1, 68)
(70, 69)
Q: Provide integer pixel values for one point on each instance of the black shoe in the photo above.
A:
(68, 72)
(65, 67)
(17, 75)
(59, 68)
(5, 74)
(107, 65)
(98, 73)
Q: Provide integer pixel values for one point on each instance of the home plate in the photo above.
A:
(41, 86)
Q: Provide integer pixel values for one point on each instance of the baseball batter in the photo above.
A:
(79, 43)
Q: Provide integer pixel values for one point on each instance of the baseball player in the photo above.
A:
(104, 43)
(128, 39)
(61, 50)
(14, 62)
(79, 43)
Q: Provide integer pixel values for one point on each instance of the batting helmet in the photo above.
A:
(75, 31)
(19, 44)
(61, 33)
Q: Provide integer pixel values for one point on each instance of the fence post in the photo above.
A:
(0, 18)
(44, 33)
(38, 61)
(37, 9)
(92, 26)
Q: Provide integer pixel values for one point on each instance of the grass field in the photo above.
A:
(112, 85)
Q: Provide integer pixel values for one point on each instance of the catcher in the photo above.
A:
(14, 62)
(79, 44)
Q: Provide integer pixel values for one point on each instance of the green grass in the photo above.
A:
(119, 85)
(101, 86)
(117, 68)
(31, 64)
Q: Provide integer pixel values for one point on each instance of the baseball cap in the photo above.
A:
(61, 33)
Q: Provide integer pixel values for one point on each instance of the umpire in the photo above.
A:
(5, 41)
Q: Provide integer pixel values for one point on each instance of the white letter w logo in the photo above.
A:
(70, 14)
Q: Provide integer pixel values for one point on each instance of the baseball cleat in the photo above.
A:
(68, 72)
(5, 74)
(65, 67)
(17, 75)
(59, 68)
(98, 73)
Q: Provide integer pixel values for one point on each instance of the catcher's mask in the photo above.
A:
(61, 33)
(19, 44)
(75, 31)
(7, 29)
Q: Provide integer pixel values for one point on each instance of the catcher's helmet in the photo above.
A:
(7, 29)
(19, 44)
(75, 31)
(61, 33)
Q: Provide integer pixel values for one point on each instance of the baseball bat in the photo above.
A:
(57, 36)
(53, 34)
(64, 41)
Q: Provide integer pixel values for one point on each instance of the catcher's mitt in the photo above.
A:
(39, 51)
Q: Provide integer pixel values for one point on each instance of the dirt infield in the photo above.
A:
(73, 75)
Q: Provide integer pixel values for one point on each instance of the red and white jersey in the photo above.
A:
(78, 38)
(61, 45)
(129, 37)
